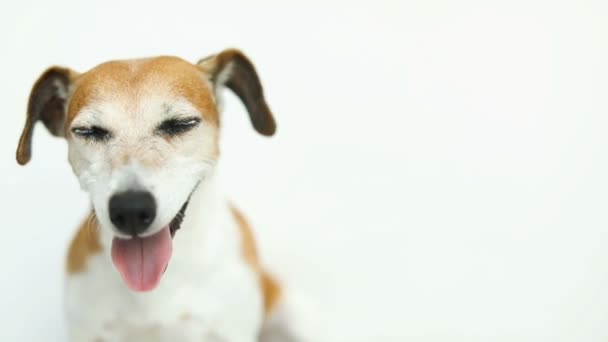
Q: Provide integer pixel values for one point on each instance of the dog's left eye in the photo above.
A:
(94, 133)
(174, 126)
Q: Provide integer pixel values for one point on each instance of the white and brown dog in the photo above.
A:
(162, 257)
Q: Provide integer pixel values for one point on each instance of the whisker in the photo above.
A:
(90, 227)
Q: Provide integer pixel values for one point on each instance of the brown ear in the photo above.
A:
(231, 68)
(47, 103)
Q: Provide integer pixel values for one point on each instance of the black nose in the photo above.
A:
(132, 211)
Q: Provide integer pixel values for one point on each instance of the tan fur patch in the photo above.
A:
(249, 249)
(271, 289)
(85, 244)
(132, 80)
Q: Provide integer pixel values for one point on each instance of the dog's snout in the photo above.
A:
(133, 211)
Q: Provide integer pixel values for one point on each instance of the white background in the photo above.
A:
(439, 173)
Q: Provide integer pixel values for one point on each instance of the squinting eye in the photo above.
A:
(95, 133)
(174, 126)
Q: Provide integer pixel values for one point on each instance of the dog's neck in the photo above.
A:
(207, 233)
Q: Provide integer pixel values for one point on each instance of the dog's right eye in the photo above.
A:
(174, 127)
(95, 133)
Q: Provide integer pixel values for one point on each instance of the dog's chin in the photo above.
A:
(141, 261)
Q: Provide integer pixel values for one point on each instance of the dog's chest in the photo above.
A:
(222, 305)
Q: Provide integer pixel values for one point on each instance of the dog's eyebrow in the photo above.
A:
(86, 117)
(179, 108)
(167, 109)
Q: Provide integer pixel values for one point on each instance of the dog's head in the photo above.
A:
(142, 135)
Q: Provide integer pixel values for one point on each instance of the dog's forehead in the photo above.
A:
(129, 82)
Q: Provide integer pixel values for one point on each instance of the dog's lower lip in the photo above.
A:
(175, 224)
(123, 236)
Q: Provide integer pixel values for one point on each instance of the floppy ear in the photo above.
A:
(47, 103)
(231, 68)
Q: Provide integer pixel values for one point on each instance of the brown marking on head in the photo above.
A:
(129, 81)
(271, 289)
(84, 245)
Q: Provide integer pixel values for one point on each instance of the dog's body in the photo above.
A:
(143, 141)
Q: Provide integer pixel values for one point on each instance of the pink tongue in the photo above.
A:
(142, 261)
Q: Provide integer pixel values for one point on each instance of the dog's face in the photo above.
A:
(142, 135)
(142, 127)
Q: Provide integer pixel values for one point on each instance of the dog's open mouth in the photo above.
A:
(142, 261)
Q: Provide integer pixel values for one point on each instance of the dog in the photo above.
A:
(162, 256)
